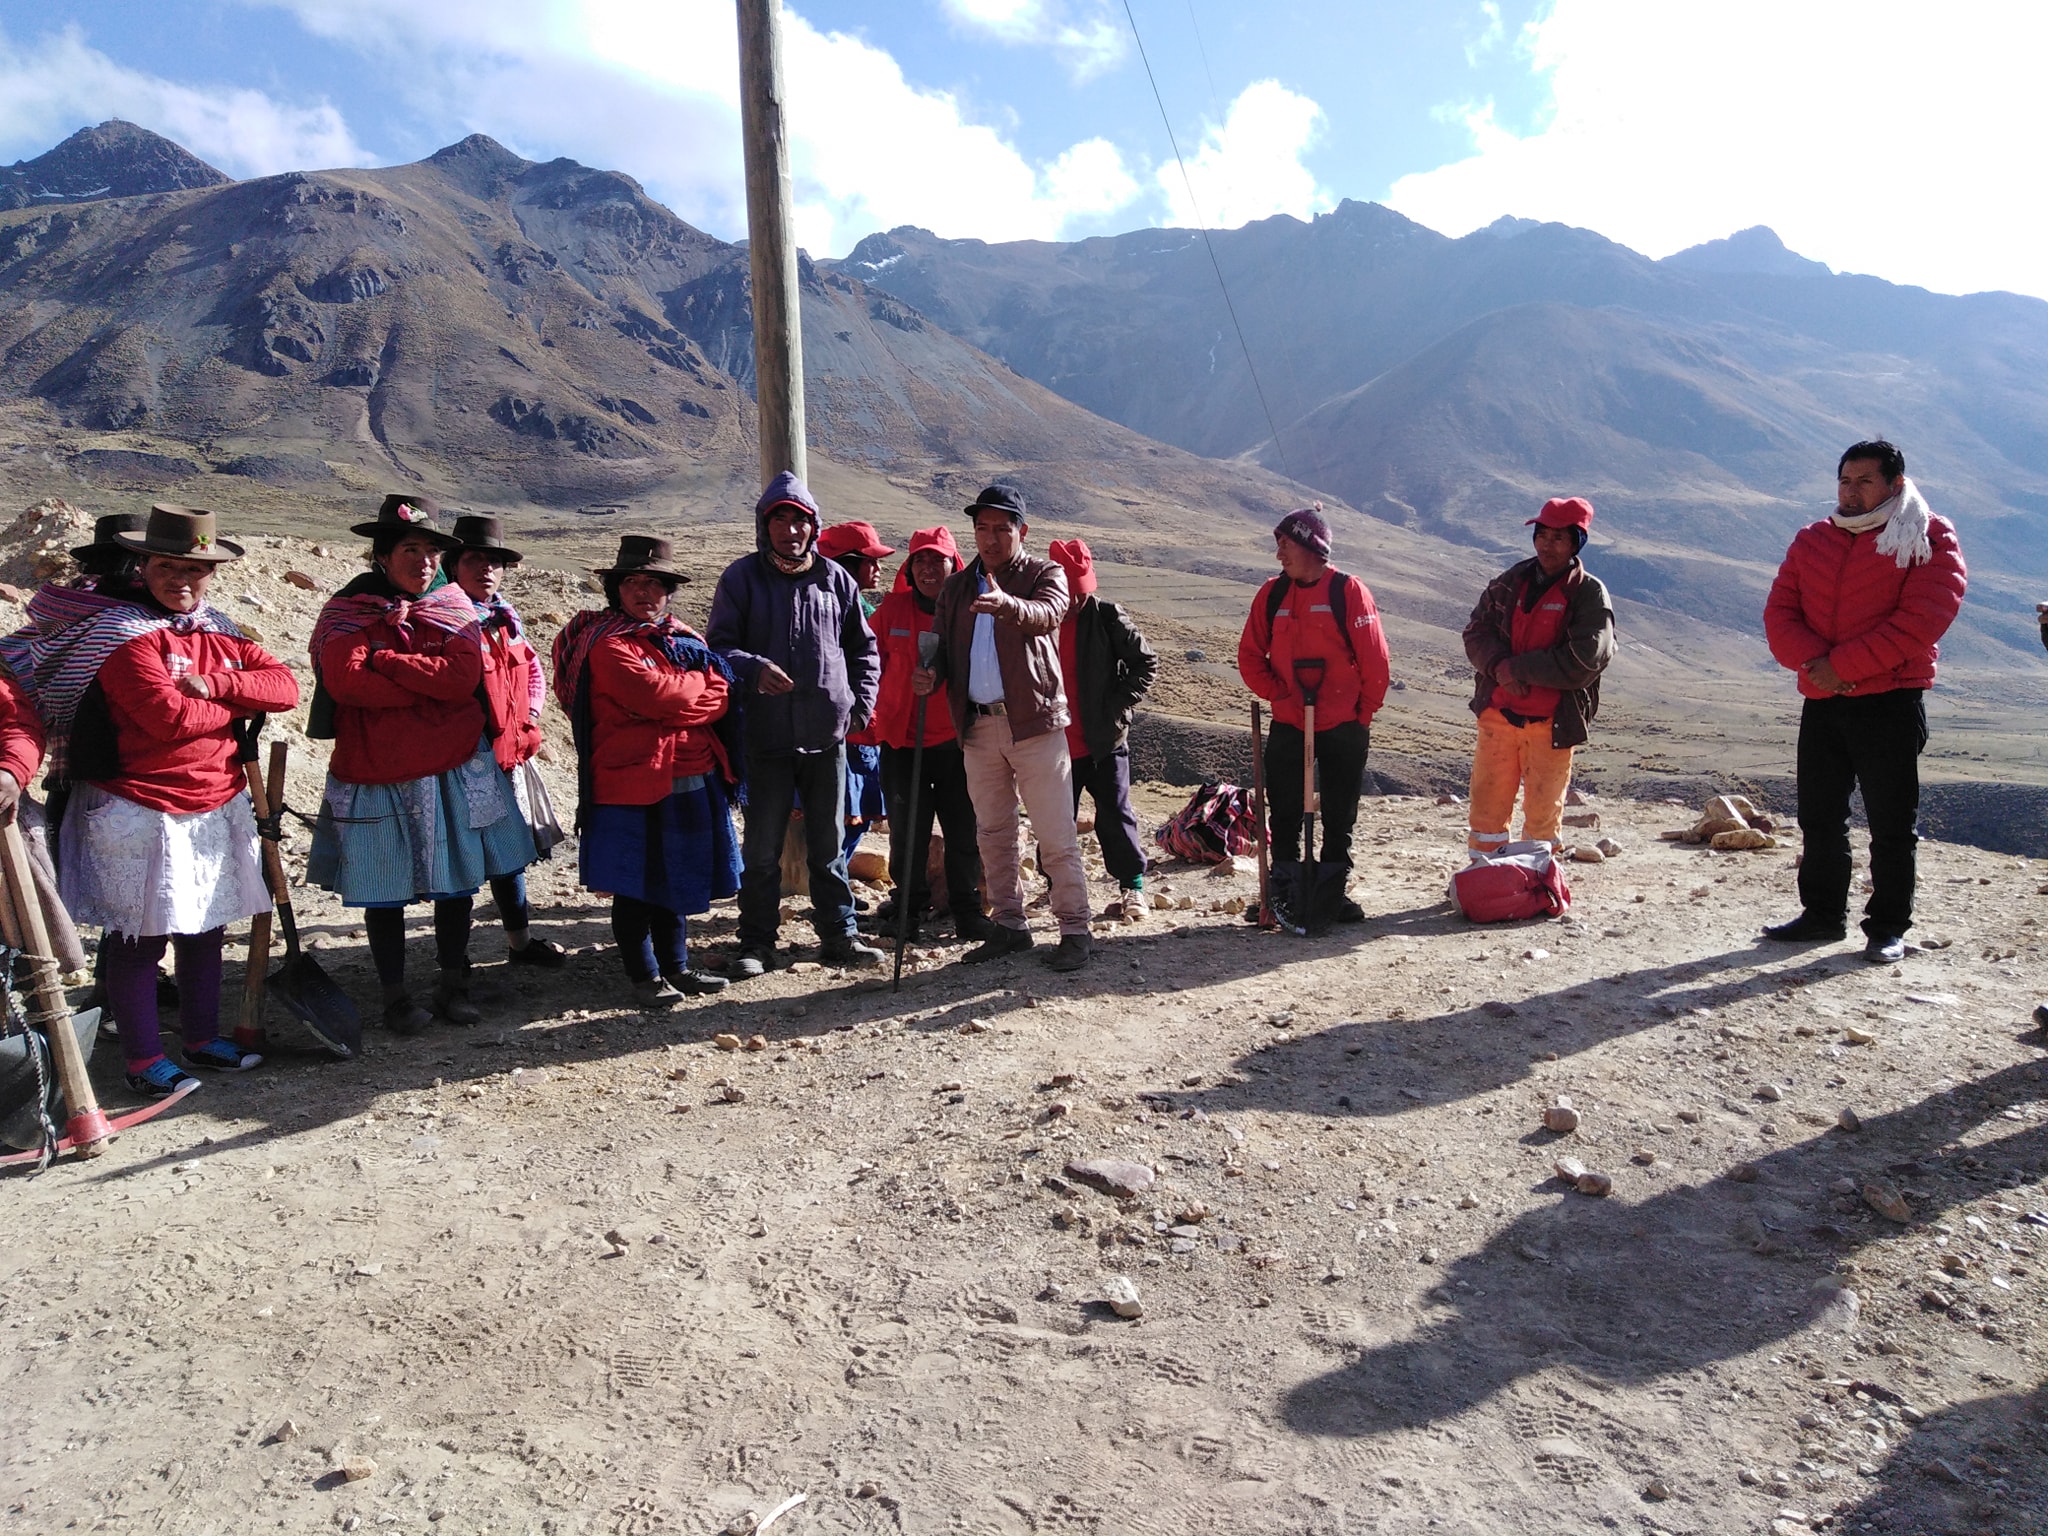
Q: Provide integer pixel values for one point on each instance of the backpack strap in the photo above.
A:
(1340, 597)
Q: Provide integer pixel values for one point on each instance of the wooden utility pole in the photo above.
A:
(771, 242)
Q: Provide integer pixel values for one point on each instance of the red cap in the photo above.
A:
(843, 539)
(1072, 556)
(940, 539)
(1564, 512)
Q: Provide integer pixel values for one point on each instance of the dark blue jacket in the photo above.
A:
(810, 625)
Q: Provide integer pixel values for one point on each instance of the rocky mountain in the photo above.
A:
(1442, 384)
(116, 159)
(514, 334)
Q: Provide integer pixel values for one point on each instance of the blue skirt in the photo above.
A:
(383, 845)
(678, 853)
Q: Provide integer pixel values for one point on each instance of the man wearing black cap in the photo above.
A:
(999, 659)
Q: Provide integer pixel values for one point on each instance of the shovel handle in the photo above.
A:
(249, 1033)
(86, 1128)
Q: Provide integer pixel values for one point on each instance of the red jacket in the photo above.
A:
(1356, 670)
(1878, 625)
(650, 723)
(897, 624)
(176, 752)
(405, 705)
(21, 733)
(511, 688)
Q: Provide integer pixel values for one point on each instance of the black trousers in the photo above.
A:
(1874, 744)
(942, 796)
(1108, 780)
(1340, 770)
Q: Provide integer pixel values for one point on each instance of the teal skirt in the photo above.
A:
(383, 845)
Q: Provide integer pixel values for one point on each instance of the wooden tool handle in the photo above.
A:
(250, 1030)
(87, 1127)
(273, 862)
(1310, 801)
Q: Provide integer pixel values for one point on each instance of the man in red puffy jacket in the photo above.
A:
(1858, 609)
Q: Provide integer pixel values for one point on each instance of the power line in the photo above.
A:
(1202, 229)
(1195, 27)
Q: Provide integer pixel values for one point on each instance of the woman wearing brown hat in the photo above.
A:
(142, 693)
(513, 692)
(417, 808)
(648, 702)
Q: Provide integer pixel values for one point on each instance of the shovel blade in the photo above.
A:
(317, 1001)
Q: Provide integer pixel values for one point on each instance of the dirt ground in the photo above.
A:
(864, 1275)
(851, 1264)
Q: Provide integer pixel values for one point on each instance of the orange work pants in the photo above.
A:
(1513, 757)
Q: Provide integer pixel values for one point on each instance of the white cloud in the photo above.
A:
(1086, 38)
(51, 88)
(1490, 34)
(1888, 136)
(1250, 167)
(651, 87)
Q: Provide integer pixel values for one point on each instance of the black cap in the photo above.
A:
(999, 498)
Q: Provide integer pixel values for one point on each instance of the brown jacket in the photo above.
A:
(1027, 644)
(1573, 666)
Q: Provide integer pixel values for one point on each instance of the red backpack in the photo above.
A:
(1214, 824)
(1520, 880)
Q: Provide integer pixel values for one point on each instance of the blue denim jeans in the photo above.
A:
(773, 785)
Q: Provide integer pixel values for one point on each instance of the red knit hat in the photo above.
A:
(1072, 556)
(1564, 512)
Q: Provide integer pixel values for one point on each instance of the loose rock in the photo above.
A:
(1849, 1120)
(356, 1468)
(1886, 1201)
(1111, 1175)
(1595, 1184)
(1560, 1116)
(1122, 1296)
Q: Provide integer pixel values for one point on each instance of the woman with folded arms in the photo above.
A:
(144, 693)
(417, 808)
(646, 700)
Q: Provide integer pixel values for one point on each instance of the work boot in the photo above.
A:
(1808, 929)
(1072, 954)
(695, 983)
(749, 963)
(655, 992)
(1003, 941)
(403, 1016)
(851, 953)
(972, 926)
(451, 998)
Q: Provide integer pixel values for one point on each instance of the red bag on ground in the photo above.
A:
(1216, 823)
(1520, 880)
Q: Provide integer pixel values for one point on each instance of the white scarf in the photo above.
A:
(1903, 521)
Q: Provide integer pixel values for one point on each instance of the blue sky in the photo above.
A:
(1877, 136)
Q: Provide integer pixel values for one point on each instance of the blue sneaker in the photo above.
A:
(222, 1056)
(160, 1079)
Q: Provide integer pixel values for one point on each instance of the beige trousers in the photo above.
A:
(1000, 771)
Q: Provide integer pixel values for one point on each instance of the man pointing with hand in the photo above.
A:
(999, 661)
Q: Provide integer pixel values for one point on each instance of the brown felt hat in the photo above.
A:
(103, 531)
(642, 554)
(183, 532)
(486, 535)
(403, 514)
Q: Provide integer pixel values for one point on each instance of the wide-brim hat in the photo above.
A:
(642, 554)
(999, 498)
(404, 514)
(104, 529)
(485, 535)
(184, 533)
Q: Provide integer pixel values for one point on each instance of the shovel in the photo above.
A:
(1308, 677)
(307, 992)
(1266, 916)
(927, 653)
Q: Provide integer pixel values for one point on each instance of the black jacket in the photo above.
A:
(1113, 671)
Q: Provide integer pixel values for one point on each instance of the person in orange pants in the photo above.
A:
(1539, 639)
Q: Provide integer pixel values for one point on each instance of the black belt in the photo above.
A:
(1514, 717)
(989, 709)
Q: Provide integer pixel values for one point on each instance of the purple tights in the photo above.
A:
(131, 988)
